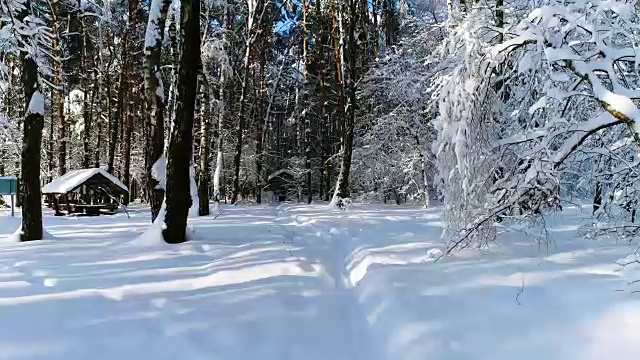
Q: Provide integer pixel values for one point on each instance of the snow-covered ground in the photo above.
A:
(304, 282)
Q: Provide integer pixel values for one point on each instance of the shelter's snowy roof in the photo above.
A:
(10, 177)
(280, 172)
(75, 178)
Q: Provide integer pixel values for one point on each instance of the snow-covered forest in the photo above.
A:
(418, 178)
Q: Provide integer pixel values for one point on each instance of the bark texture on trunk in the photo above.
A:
(204, 170)
(130, 101)
(62, 133)
(57, 72)
(97, 150)
(240, 130)
(376, 29)
(306, 106)
(86, 103)
(126, 144)
(261, 123)
(218, 142)
(50, 149)
(499, 15)
(118, 114)
(178, 198)
(325, 123)
(155, 103)
(31, 145)
(342, 187)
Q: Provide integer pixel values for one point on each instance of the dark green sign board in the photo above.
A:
(8, 185)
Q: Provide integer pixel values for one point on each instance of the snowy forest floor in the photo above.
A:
(304, 282)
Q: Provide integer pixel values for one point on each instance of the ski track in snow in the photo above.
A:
(305, 282)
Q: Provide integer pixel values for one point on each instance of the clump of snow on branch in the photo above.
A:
(152, 35)
(36, 104)
(159, 172)
(32, 35)
(193, 190)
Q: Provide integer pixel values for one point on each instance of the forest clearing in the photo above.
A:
(304, 282)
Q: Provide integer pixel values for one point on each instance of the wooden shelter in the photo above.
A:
(86, 191)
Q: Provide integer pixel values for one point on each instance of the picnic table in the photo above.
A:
(94, 209)
(89, 209)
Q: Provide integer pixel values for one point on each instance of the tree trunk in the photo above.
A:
(119, 106)
(299, 113)
(126, 144)
(86, 133)
(362, 37)
(260, 126)
(376, 30)
(240, 129)
(50, 147)
(219, 141)
(324, 153)
(155, 98)
(86, 115)
(389, 13)
(92, 103)
(57, 72)
(129, 99)
(204, 170)
(96, 154)
(178, 198)
(99, 107)
(31, 144)
(306, 106)
(338, 40)
(500, 18)
(110, 136)
(174, 55)
(100, 73)
(425, 180)
(62, 134)
(342, 192)
(597, 198)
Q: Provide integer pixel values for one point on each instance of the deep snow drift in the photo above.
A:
(304, 282)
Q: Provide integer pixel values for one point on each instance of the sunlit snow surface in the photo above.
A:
(305, 282)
